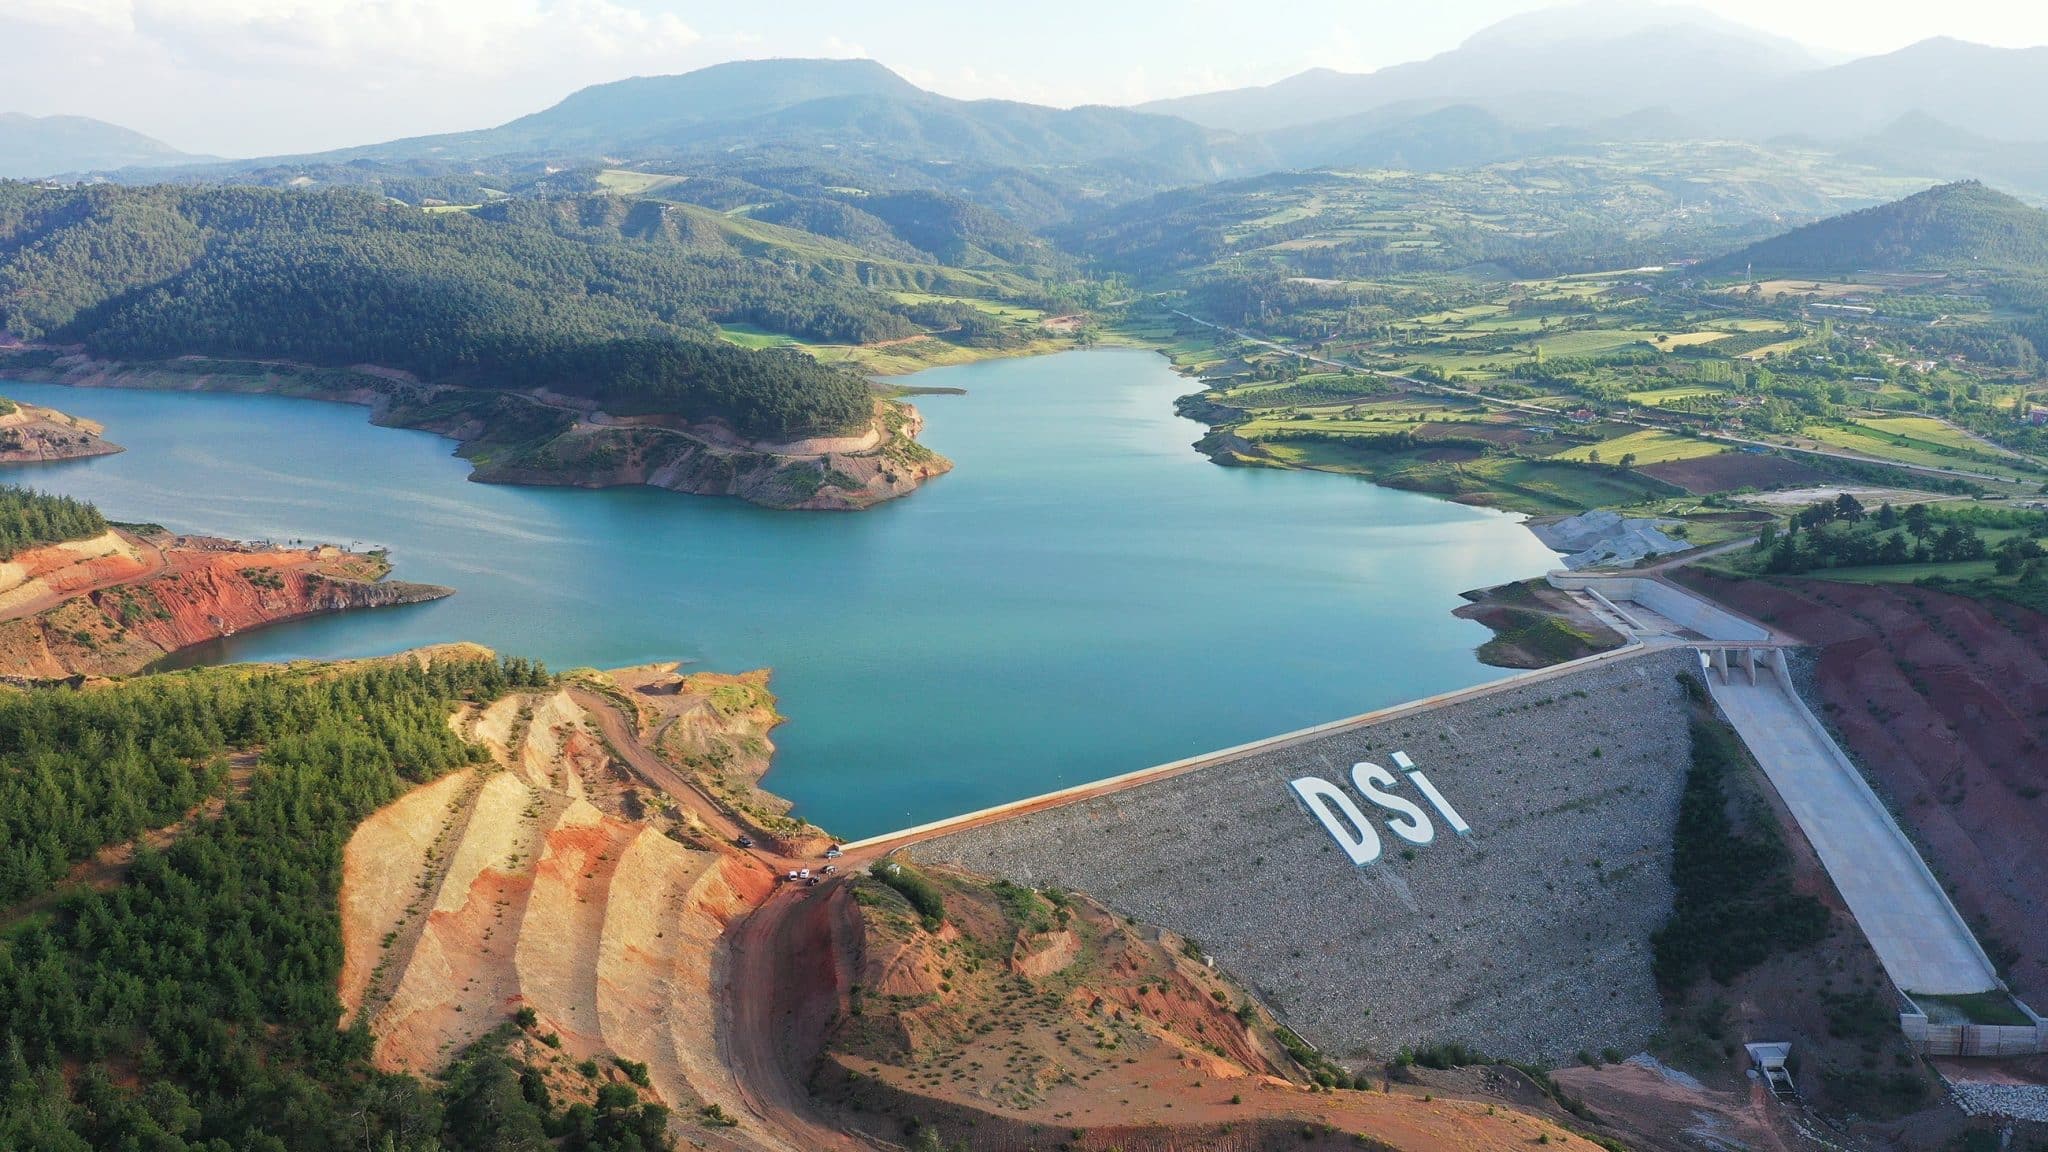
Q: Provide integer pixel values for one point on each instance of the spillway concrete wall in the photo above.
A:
(1675, 604)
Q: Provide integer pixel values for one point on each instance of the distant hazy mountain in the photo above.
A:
(852, 106)
(1917, 142)
(54, 145)
(2000, 93)
(1436, 140)
(1557, 65)
(1952, 226)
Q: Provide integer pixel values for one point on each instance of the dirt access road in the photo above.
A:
(780, 966)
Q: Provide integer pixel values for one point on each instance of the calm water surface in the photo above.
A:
(1084, 595)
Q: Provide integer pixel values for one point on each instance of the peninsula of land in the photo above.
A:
(542, 437)
(115, 603)
(33, 435)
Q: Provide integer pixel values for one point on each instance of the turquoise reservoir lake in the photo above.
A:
(1084, 595)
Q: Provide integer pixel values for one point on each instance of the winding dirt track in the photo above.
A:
(780, 968)
(781, 971)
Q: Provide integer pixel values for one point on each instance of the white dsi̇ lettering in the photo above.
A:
(1345, 823)
(1372, 782)
(1430, 793)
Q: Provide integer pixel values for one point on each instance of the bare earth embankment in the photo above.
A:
(117, 603)
(1941, 699)
(552, 878)
(1027, 1018)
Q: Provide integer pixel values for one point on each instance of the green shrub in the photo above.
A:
(924, 896)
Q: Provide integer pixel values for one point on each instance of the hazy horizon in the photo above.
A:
(263, 77)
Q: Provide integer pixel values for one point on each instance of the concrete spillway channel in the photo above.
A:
(1917, 933)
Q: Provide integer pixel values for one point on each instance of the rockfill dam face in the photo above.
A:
(1329, 872)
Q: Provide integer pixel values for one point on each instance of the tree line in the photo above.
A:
(30, 519)
(193, 1005)
(1841, 533)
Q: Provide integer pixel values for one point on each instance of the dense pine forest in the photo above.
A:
(29, 518)
(575, 298)
(192, 1004)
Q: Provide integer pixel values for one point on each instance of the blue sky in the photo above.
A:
(246, 77)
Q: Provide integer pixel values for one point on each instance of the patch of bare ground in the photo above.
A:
(1728, 471)
(1943, 701)
(33, 435)
(1038, 1019)
(555, 886)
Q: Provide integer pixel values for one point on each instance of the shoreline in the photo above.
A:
(521, 438)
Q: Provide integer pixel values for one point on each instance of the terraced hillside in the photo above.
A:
(548, 881)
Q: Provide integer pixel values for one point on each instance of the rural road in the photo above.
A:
(781, 965)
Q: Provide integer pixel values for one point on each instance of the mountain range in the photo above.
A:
(1612, 60)
(1541, 83)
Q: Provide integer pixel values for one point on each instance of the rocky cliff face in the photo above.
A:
(84, 610)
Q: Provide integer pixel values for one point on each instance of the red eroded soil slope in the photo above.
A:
(1944, 700)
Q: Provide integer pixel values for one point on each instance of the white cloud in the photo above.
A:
(283, 75)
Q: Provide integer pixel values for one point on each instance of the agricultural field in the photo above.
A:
(1919, 441)
(749, 336)
(1643, 446)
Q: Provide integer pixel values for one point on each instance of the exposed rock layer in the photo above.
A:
(119, 602)
(32, 435)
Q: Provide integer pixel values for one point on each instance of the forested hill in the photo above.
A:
(829, 107)
(1947, 228)
(517, 301)
(192, 1006)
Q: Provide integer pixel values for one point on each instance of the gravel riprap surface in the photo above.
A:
(2016, 1101)
(1529, 938)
